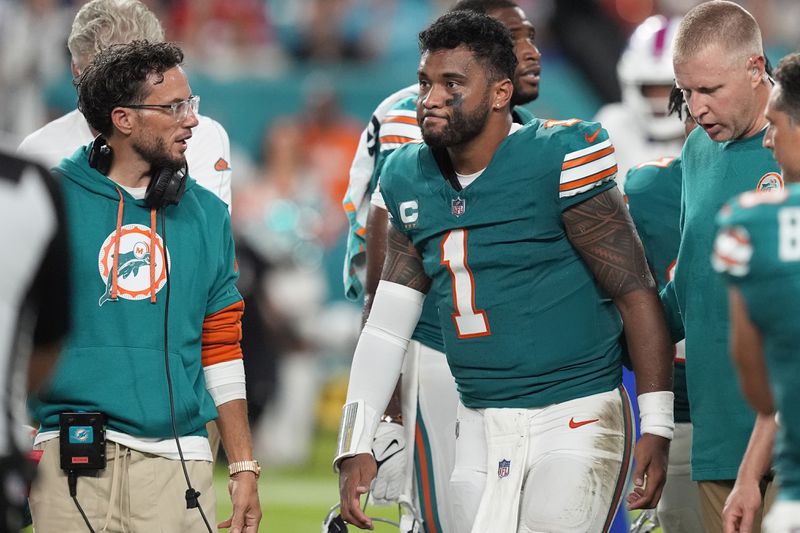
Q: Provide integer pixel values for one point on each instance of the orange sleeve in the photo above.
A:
(222, 332)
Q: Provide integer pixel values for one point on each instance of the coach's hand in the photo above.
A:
(741, 506)
(355, 475)
(650, 471)
(246, 516)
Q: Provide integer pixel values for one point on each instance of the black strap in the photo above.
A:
(445, 165)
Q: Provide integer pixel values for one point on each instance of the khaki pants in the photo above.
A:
(136, 492)
(712, 500)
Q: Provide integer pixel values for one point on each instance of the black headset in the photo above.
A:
(166, 185)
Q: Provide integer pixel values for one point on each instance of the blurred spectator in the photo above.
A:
(279, 222)
(330, 140)
(224, 35)
(32, 54)
(327, 30)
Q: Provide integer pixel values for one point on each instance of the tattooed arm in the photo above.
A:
(403, 263)
(602, 232)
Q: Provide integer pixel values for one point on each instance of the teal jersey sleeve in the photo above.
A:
(588, 165)
(653, 195)
(223, 289)
(672, 312)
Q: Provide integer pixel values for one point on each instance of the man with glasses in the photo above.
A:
(157, 322)
(97, 25)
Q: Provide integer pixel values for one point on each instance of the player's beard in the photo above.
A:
(154, 150)
(461, 127)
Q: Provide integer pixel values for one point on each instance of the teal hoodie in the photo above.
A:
(113, 358)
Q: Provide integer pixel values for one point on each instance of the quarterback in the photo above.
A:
(518, 232)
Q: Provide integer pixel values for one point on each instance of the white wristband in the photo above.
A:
(376, 366)
(356, 431)
(656, 413)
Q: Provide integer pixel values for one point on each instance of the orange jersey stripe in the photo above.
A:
(395, 139)
(589, 179)
(402, 119)
(594, 156)
(350, 207)
(222, 332)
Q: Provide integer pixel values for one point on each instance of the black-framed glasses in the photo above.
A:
(179, 110)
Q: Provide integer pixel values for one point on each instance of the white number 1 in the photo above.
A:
(470, 322)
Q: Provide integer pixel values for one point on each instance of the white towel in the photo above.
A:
(507, 451)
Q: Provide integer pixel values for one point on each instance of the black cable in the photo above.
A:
(72, 480)
(192, 496)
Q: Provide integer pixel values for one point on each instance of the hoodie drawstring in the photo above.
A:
(153, 256)
(118, 238)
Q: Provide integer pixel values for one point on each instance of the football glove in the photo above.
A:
(389, 449)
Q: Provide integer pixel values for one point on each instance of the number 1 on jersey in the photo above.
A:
(470, 322)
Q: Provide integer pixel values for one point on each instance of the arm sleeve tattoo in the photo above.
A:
(403, 263)
(604, 235)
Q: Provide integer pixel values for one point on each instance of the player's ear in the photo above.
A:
(502, 92)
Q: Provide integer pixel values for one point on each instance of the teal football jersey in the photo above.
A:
(397, 128)
(524, 323)
(712, 174)
(758, 250)
(653, 192)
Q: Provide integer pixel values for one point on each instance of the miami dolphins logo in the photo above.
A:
(133, 265)
(771, 181)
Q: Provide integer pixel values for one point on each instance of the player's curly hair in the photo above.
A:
(483, 6)
(484, 36)
(787, 75)
(118, 76)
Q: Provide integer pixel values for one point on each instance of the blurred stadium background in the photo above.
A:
(294, 82)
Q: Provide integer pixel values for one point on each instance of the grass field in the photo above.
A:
(295, 500)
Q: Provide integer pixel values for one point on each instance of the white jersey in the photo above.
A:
(631, 141)
(208, 152)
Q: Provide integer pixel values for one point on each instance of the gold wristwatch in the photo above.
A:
(244, 466)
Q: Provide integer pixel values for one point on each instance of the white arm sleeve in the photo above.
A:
(376, 365)
(225, 381)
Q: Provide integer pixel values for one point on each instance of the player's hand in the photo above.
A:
(355, 475)
(650, 471)
(246, 516)
(741, 507)
(389, 449)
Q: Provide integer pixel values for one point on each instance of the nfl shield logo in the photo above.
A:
(503, 468)
(458, 206)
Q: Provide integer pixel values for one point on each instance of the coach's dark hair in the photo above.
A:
(787, 75)
(118, 76)
(484, 36)
(483, 6)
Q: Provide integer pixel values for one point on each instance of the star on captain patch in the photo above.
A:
(458, 206)
(503, 468)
